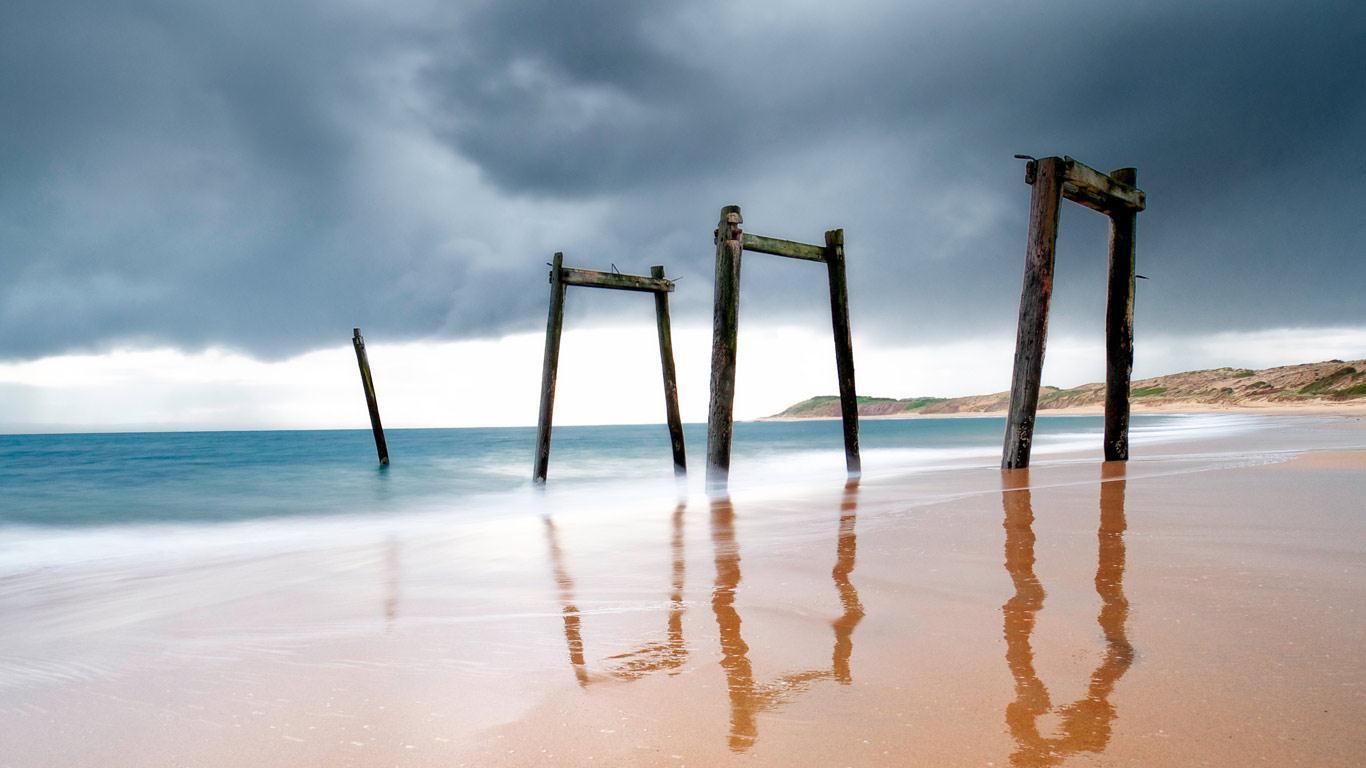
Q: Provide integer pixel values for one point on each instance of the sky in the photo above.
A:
(199, 200)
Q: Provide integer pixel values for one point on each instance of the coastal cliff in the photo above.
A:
(1328, 382)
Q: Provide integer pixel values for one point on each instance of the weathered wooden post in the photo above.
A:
(1114, 195)
(666, 363)
(549, 366)
(371, 402)
(725, 329)
(1032, 333)
(1119, 325)
(844, 347)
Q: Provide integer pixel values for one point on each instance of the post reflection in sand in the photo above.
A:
(393, 578)
(1085, 724)
(667, 655)
(748, 698)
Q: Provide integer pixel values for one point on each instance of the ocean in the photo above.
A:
(75, 496)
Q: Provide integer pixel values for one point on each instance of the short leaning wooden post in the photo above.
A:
(666, 362)
(725, 328)
(371, 402)
(844, 347)
(1119, 324)
(549, 367)
(1046, 175)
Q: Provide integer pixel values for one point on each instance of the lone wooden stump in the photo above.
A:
(731, 242)
(371, 402)
(1115, 195)
(562, 276)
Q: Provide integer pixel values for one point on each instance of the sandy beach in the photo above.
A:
(1199, 606)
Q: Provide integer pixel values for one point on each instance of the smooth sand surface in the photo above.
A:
(1204, 605)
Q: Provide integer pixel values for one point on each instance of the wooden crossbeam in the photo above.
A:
(594, 279)
(788, 248)
(1098, 191)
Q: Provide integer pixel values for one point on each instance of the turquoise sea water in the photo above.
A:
(80, 480)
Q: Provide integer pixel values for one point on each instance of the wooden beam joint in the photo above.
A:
(1099, 191)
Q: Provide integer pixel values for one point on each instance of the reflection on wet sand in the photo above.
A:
(748, 698)
(392, 578)
(667, 655)
(1086, 723)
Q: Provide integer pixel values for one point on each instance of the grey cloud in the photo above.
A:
(266, 176)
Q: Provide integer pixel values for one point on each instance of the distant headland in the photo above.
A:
(1332, 383)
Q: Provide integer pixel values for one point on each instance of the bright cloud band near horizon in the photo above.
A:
(496, 383)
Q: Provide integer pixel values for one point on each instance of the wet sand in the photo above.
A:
(1200, 606)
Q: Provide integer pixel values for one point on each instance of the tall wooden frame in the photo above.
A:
(731, 242)
(561, 277)
(1116, 196)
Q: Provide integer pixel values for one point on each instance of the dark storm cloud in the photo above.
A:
(265, 176)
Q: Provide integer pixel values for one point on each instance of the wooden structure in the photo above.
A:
(731, 242)
(1115, 195)
(368, 383)
(561, 277)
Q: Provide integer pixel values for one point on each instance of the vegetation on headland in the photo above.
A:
(1332, 381)
(829, 405)
(1329, 382)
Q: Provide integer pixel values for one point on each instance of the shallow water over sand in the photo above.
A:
(1199, 606)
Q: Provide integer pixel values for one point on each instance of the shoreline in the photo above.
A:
(29, 546)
